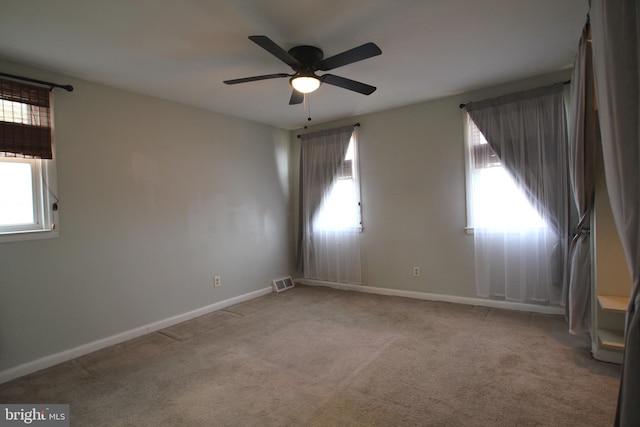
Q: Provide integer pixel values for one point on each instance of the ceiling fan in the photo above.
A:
(306, 60)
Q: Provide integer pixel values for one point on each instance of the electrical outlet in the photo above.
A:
(416, 271)
(216, 281)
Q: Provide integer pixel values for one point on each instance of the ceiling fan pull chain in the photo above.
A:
(307, 108)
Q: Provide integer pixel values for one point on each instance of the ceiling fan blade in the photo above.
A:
(270, 46)
(359, 53)
(349, 84)
(255, 78)
(296, 98)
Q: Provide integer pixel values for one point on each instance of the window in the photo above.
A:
(330, 225)
(340, 209)
(494, 200)
(27, 202)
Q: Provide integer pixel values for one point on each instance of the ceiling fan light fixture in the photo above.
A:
(305, 61)
(305, 84)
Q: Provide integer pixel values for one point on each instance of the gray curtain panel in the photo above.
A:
(583, 141)
(615, 27)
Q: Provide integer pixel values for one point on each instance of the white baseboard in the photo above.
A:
(508, 305)
(64, 356)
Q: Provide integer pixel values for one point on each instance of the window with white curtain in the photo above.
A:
(513, 242)
(330, 221)
(494, 201)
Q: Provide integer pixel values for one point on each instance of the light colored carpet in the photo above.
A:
(315, 356)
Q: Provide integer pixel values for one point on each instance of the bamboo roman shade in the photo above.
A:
(25, 120)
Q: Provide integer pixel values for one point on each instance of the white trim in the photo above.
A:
(28, 235)
(66, 355)
(605, 355)
(507, 305)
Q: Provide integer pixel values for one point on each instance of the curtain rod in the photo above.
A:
(68, 88)
(464, 105)
(356, 125)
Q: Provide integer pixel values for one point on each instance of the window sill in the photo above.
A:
(28, 235)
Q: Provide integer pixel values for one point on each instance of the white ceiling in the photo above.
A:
(182, 50)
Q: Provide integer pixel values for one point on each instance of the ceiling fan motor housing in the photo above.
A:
(309, 58)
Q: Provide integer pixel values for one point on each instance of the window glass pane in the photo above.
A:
(16, 193)
(497, 201)
(340, 208)
(15, 112)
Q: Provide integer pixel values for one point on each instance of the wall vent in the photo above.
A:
(283, 284)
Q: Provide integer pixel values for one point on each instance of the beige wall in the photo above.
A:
(155, 199)
(413, 192)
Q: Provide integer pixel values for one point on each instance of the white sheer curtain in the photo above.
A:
(615, 30)
(521, 257)
(330, 206)
(583, 142)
